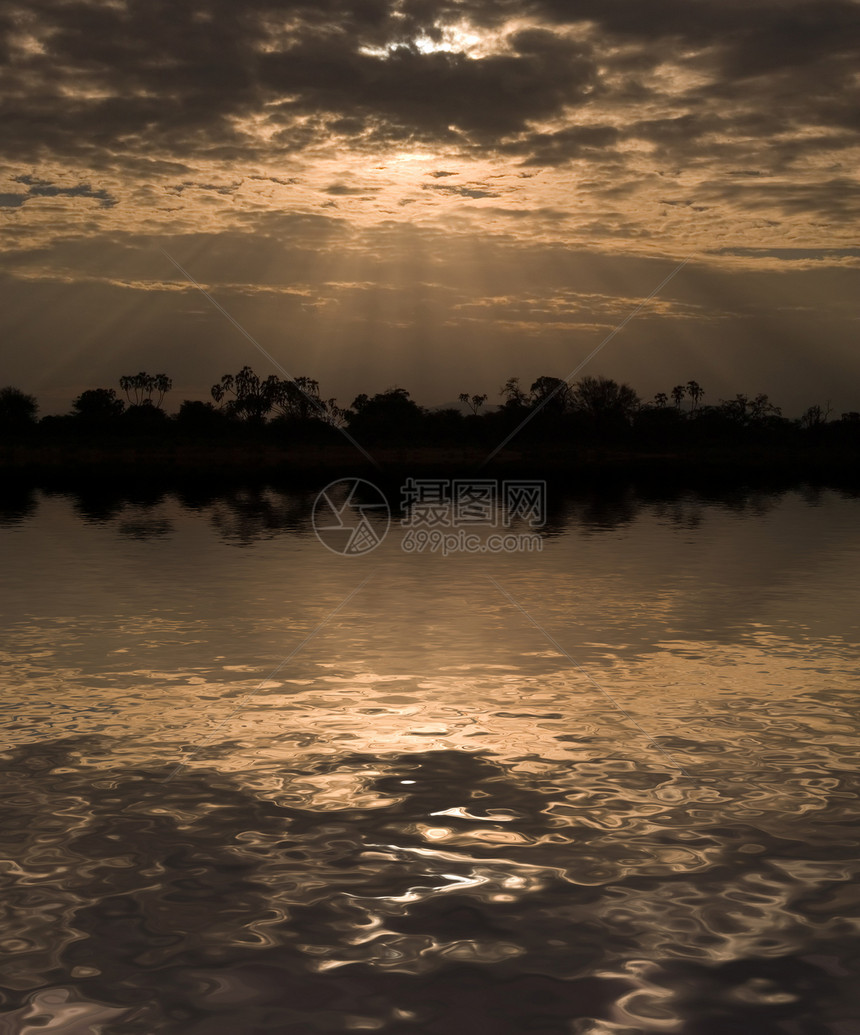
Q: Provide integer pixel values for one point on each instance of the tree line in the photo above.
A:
(593, 409)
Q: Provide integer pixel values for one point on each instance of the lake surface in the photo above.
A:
(610, 787)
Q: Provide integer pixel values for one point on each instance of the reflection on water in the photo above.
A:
(230, 807)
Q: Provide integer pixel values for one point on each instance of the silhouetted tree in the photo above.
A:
(474, 402)
(749, 412)
(446, 425)
(98, 405)
(515, 398)
(17, 410)
(815, 416)
(253, 397)
(658, 423)
(389, 415)
(762, 408)
(551, 393)
(195, 415)
(606, 404)
(140, 388)
(736, 409)
(595, 407)
(695, 391)
(299, 399)
(293, 399)
(145, 418)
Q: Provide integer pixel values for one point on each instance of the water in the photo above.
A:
(253, 786)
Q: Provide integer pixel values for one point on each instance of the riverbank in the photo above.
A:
(74, 462)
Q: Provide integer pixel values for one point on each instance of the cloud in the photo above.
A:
(794, 254)
(343, 190)
(111, 84)
(564, 145)
(44, 189)
(217, 188)
(463, 192)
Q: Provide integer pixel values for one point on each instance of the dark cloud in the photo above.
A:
(44, 189)
(750, 38)
(792, 254)
(561, 147)
(437, 95)
(463, 192)
(274, 179)
(344, 190)
(530, 214)
(218, 188)
(160, 81)
(835, 199)
(182, 79)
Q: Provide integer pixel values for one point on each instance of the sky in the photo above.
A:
(431, 195)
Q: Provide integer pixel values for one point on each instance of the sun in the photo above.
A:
(455, 38)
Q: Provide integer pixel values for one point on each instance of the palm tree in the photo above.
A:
(139, 388)
(253, 397)
(696, 392)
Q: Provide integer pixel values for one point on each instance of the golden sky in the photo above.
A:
(437, 195)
